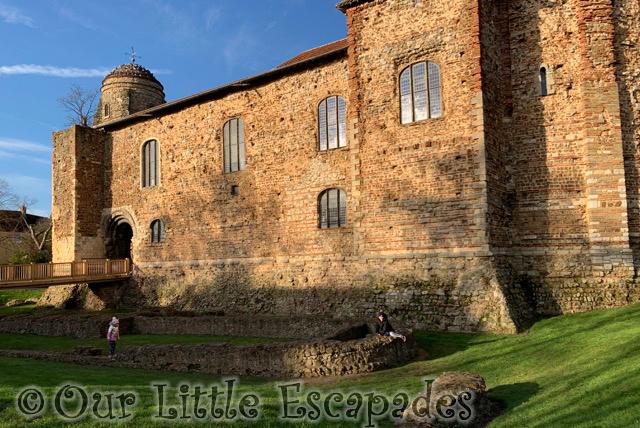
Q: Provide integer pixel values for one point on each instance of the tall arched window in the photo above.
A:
(332, 123)
(420, 92)
(332, 208)
(107, 110)
(150, 163)
(157, 231)
(234, 156)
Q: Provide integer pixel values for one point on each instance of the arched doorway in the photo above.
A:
(120, 235)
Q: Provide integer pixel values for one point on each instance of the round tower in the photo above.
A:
(128, 89)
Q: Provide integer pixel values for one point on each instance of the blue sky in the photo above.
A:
(191, 45)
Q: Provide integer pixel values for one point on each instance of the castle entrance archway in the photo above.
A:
(120, 236)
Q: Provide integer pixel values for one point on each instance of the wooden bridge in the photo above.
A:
(43, 275)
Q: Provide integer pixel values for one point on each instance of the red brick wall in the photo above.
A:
(275, 212)
(418, 184)
(445, 216)
(627, 33)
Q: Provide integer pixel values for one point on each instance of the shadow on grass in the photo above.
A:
(514, 394)
(440, 345)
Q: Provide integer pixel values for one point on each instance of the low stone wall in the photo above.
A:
(82, 326)
(270, 360)
(94, 325)
(305, 359)
(572, 296)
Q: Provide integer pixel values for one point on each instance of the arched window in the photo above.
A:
(106, 110)
(332, 123)
(234, 145)
(420, 92)
(157, 231)
(332, 208)
(544, 90)
(150, 163)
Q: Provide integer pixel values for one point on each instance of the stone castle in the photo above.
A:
(464, 164)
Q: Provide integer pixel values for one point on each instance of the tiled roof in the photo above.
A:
(346, 4)
(321, 50)
(11, 221)
(302, 60)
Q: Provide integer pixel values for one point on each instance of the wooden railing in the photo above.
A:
(89, 270)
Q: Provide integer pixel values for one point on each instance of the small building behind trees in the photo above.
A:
(16, 243)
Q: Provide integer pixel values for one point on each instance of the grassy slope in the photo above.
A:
(7, 295)
(571, 371)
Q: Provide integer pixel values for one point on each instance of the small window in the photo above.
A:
(234, 155)
(150, 164)
(107, 110)
(332, 208)
(420, 92)
(332, 123)
(157, 231)
(544, 90)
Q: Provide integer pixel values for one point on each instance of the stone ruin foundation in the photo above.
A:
(321, 347)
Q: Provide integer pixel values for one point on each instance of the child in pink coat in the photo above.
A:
(113, 334)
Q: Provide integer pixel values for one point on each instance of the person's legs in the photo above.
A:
(112, 348)
(394, 334)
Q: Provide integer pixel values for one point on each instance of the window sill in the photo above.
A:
(423, 121)
(338, 149)
(234, 172)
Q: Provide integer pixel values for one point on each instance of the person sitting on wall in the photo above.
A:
(384, 327)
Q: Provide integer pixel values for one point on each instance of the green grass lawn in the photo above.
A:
(571, 371)
(17, 310)
(7, 295)
(46, 343)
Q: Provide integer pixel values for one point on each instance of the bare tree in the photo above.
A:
(7, 197)
(38, 232)
(80, 104)
(8, 200)
(12, 224)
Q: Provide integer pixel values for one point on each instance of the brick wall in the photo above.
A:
(627, 33)
(78, 177)
(464, 222)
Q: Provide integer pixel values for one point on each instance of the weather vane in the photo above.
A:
(133, 55)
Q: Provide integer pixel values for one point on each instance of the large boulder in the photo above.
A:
(93, 297)
(453, 398)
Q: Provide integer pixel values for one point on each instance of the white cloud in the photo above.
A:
(240, 47)
(212, 16)
(23, 146)
(73, 16)
(50, 70)
(11, 15)
(25, 151)
(17, 156)
(181, 23)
